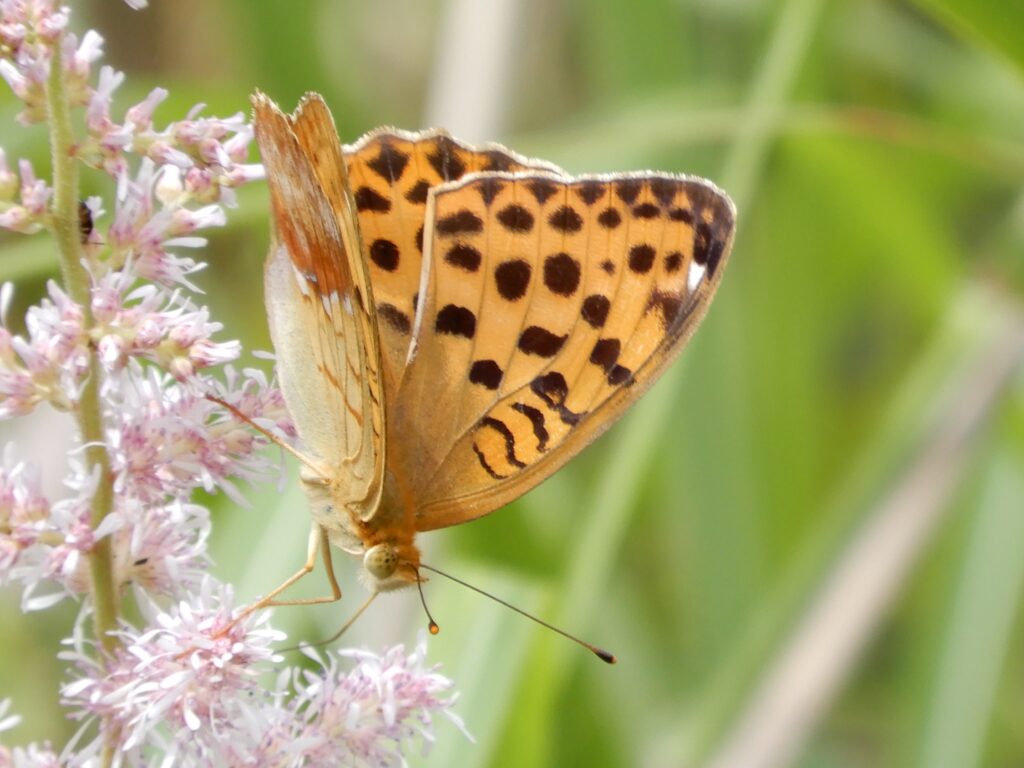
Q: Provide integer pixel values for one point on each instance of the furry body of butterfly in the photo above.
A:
(453, 323)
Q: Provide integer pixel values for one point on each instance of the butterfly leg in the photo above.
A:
(318, 542)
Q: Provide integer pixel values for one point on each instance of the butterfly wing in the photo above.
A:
(391, 173)
(550, 304)
(318, 301)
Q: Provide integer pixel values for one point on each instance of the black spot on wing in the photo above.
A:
(541, 189)
(628, 190)
(562, 274)
(681, 214)
(418, 192)
(620, 375)
(646, 211)
(456, 321)
(540, 341)
(605, 353)
(464, 257)
(489, 188)
(641, 258)
(460, 222)
(487, 373)
(667, 304)
(591, 191)
(515, 218)
(512, 278)
(445, 159)
(395, 318)
(551, 388)
(371, 200)
(565, 219)
(595, 310)
(609, 218)
(384, 254)
(664, 190)
(390, 163)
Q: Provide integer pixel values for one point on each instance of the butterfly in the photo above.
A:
(453, 323)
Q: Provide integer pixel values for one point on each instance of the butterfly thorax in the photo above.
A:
(391, 559)
(376, 532)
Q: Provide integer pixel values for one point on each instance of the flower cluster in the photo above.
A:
(189, 680)
(126, 351)
(370, 712)
(207, 154)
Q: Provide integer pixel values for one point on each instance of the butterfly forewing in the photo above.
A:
(318, 302)
(583, 291)
(391, 173)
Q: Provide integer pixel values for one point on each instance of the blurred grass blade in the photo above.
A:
(864, 570)
(980, 623)
(532, 729)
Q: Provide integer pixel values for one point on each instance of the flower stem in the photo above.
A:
(76, 280)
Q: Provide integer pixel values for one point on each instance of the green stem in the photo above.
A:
(76, 280)
(89, 413)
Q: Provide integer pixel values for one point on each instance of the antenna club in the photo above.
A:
(434, 629)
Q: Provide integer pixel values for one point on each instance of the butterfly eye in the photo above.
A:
(380, 561)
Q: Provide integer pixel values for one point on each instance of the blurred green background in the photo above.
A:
(806, 544)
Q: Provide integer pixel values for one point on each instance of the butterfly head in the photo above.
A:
(391, 565)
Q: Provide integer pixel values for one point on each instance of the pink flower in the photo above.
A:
(23, 511)
(167, 440)
(143, 232)
(210, 152)
(140, 117)
(183, 684)
(48, 366)
(28, 216)
(371, 714)
(162, 548)
(29, 30)
(53, 565)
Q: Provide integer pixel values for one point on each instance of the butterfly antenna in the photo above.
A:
(432, 626)
(265, 432)
(340, 632)
(605, 656)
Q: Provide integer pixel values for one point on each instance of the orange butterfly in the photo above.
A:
(453, 323)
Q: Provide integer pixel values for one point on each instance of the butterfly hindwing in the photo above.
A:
(549, 305)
